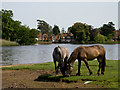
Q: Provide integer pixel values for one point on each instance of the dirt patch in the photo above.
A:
(37, 79)
(15, 65)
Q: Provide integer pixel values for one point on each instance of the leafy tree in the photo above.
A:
(56, 30)
(93, 33)
(109, 37)
(108, 29)
(63, 31)
(27, 36)
(69, 29)
(44, 27)
(13, 30)
(100, 38)
(16, 27)
(7, 21)
(81, 32)
(34, 33)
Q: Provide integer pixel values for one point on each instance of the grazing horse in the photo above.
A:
(87, 53)
(60, 54)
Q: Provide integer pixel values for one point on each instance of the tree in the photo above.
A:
(44, 27)
(81, 32)
(108, 29)
(56, 30)
(34, 33)
(100, 38)
(13, 30)
(26, 36)
(63, 31)
(7, 22)
(93, 33)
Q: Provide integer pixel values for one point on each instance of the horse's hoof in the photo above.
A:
(91, 73)
(56, 75)
(67, 75)
(77, 74)
(102, 73)
(97, 74)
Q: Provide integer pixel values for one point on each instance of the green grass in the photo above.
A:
(109, 80)
(41, 66)
(44, 42)
(112, 42)
(7, 43)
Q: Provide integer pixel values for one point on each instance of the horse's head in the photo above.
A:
(62, 69)
(68, 70)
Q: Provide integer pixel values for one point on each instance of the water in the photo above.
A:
(43, 53)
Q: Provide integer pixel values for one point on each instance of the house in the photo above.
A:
(63, 37)
(43, 37)
(117, 35)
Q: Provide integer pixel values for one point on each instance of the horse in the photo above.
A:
(87, 53)
(60, 54)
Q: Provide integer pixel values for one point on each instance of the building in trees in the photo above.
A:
(117, 35)
(63, 37)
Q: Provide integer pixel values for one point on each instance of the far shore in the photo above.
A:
(11, 43)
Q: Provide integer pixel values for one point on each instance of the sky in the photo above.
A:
(64, 14)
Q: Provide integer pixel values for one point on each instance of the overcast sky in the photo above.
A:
(64, 14)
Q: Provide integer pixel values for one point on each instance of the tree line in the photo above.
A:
(12, 30)
(83, 33)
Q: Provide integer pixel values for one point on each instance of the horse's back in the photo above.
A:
(64, 52)
(91, 52)
(60, 52)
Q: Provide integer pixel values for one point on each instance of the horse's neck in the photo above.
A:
(73, 57)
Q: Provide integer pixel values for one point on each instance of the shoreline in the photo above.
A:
(14, 65)
(4, 42)
(32, 64)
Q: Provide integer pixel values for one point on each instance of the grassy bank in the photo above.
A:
(44, 42)
(93, 42)
(109, 80)
(7, 43)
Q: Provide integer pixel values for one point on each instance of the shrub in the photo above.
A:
(100, 38)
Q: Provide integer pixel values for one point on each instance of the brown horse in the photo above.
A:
(60, 54)
(87, 53)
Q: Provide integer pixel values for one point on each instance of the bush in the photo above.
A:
(100, 38)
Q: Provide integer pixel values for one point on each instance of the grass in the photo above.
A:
(44, 42)
(109, 80)
(112, 42)
(7, 43)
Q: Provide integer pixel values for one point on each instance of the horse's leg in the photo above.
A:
(100, 65)
(56, 70)
(79, 65)
(103, 65)
(85, 60)
(65, 62)
(60, 64)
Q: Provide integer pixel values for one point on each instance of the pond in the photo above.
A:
(43, 53)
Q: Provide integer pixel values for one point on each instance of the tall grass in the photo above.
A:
(7, 43)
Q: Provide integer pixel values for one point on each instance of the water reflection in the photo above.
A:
(43, 53)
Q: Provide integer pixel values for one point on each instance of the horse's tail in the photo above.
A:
(103, 63)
